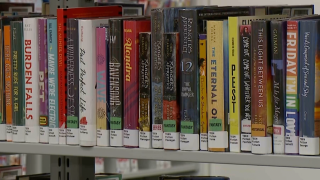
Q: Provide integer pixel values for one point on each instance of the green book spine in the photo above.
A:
(18, 120)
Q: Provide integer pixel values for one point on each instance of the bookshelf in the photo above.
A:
(157, 154)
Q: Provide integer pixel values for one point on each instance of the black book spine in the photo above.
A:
(245, 86)
(157, 30)
(144, 89)
(189, 80)
(278, 72)
(72, 80)
(116, 81)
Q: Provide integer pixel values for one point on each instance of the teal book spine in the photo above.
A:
(53, 81)
(17, 54)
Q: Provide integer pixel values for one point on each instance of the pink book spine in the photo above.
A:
(102, 125)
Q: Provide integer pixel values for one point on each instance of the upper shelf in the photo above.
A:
(159, 154)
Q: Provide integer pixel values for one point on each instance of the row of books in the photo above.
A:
(187, 78)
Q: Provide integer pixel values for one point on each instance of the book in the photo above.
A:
(128, 9)
(309, 116)
(278, 70)
(18, 119)
(43, 81)
(62, 16)
(203, 92)
(144, 90)
(226, 78)
(31, 68)
(8, 80)
(132, 28)
(53, 81)
(261, 92)
(103, 126)
(10, 172)
(217, 129)
(3, 130)
(157, 29)
(72, 82)
(245, 86)
(171, 96)
(87, 80)
(292, 96)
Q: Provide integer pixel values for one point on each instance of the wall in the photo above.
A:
(241, 172)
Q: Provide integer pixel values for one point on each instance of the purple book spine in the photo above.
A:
(43, 81)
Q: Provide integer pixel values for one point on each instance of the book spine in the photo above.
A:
(3, 132)
(245, 86)
(203, 92)
(18, 122)
(171, 96)
(278, 71)
(62, 76)
(53, 81)
(226, 77)
(217, 134)
(261, 89)
(116, 82)
(72, 82)
(131, 84)
(292, 96)
(189, 84)
(157, 77)
(234, 113)
(8, 80)
(144, 90)
(101, 91)
(87, 83)
(309, 74)
(31, 68)
(43, 81)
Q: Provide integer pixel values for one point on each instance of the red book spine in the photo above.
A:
(62, 15)
(131, 79)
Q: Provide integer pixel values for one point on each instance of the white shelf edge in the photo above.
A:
(157, 172)
(159, 154)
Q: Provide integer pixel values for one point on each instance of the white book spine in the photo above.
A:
(32, 109)
(87, 80)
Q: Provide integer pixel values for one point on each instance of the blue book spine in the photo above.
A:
(53, 81)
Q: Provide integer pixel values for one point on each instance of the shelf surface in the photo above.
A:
(159, 154)
(157, 172)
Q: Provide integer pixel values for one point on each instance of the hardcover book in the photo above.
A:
(132, 28)
(144, 90)
(8, 80)
(72, 82)
(171, 96)
(18, 119)
(43, 81)
(53, 81)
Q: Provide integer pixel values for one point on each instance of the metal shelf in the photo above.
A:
(157, 172)
(158, 154)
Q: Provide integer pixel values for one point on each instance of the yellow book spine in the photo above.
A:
(203, 92)
(215, 87)
(234, 119)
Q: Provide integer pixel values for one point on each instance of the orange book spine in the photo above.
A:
(8, 80)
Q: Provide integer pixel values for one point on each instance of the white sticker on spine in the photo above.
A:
(261, 145)
(278, 139)
(157, 133)
(130, 137)
(53, 135)
(245, 142)
(72, 136)
(32, 134)
(189, 142)
(171, 140)
(62, 136)
(218, 139)
(18, 133)
(204, 142)
(3, 134)
(9, 132)
(234, 143)
(292, 144)
(309, 145)
(44, 134)
(102, 137)
(144, 139)
(116, 138)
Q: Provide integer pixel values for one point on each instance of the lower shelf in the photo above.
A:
(159, 154)
(157, 172)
